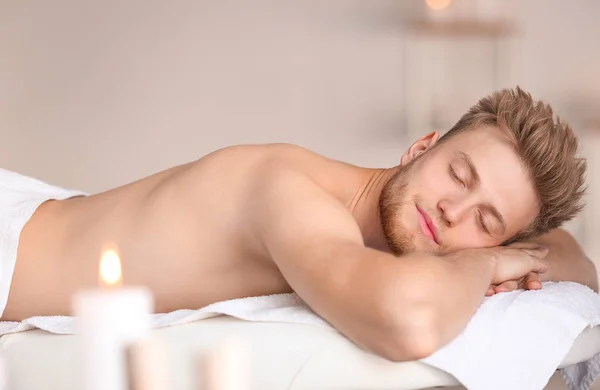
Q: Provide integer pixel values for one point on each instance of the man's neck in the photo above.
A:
(364, 206)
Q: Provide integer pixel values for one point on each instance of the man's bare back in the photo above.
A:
(188, 233)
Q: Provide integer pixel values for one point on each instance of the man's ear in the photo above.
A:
(420, 146)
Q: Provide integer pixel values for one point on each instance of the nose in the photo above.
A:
(453, 211)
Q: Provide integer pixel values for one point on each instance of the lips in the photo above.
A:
(427, 225)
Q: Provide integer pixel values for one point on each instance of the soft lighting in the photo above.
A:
(438, 5)
(110, 268)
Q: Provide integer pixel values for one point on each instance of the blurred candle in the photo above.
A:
(147, 365)
(3, 374)
(108, 319)
(438, 9)
(227, 366)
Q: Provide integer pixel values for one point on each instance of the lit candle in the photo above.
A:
(109, 318)
(438, 9)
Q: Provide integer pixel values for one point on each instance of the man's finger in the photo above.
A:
(524, 245)
(536, 260)
(509, 285)
(539, 252)
(533, 281)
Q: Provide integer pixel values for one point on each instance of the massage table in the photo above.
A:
(283, 356)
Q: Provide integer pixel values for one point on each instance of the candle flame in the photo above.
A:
(438, 5)
(110, 268)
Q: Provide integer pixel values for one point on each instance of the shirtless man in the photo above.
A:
(397, 259)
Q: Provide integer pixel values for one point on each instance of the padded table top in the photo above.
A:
(284, 356)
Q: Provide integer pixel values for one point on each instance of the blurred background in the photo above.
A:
(97, 94)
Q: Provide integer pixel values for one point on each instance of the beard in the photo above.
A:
(395, 209)
(392, 200)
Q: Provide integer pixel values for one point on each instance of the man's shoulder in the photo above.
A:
(287, 163)
(276, 153)
(281, 166)
(286, 200)
(292, 189)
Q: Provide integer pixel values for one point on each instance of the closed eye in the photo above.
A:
(455, 176)
(482, 223)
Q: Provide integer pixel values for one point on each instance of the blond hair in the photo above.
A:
(546, 145)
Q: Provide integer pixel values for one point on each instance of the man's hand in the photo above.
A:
(566, 262)
(518, 265)
(531, 281)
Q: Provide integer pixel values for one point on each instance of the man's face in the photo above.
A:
(470, 191)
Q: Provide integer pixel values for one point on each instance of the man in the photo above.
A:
(396, 259)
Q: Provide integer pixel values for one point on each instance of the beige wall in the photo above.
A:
(97, 94)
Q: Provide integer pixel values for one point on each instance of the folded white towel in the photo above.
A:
(515, 340)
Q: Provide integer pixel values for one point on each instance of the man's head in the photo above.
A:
(506, 171)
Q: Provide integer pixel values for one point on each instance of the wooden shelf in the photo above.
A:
(593, 123)
(463, 28)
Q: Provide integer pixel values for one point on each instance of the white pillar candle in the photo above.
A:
(147, 365)
(227, 366)
(3, 374)
(108, 319)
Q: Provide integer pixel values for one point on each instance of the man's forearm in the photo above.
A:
(402, 308)
(567, 261)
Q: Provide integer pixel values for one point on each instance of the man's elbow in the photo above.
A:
(408, 349)
(414, 337)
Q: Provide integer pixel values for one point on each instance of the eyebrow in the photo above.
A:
(469, 162)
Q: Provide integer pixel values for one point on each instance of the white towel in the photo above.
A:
(20, 196)
(515, 340)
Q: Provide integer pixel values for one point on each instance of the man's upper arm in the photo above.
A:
(318, 247)
(303, 228)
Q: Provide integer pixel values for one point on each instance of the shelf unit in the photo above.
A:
(430, 100)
